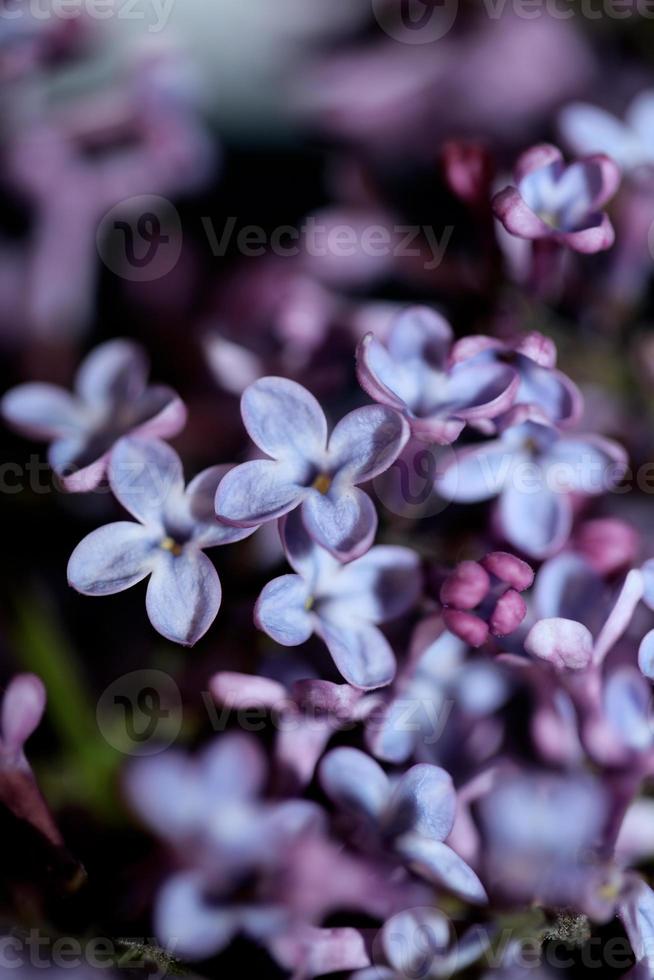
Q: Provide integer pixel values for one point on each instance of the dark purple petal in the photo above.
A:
(344, 521)
(518, 219)
(597, 238)
(535, 158)
(423, 801)
(438, 863)
(507, 568)
(43, 411)
(282, 611)
(466, 586)
(256, 492)
(113, 558)
(468, 626)
(360, 651)
(366, 442)
(183, 596)
(509, 612)
(284, 419)
(144, 474)
(562, 642)
(355, 782)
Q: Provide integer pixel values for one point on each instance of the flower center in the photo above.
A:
(169, 544)
(549, 218)
(309, 603)
(322, 483)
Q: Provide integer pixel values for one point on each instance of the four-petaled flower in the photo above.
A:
(415, 375)
(111, 400)
(307, 469)
(413, 817)
(175, 526)
(559, 202)
(341, 603)
(588, 129)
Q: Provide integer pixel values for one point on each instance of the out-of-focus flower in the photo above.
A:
(646, 649)
(111, 399)
(307, 469)
(482, 597)
(175, 526)
(543, 837)
(607, 543)
(534, 469)
(533, 358)
(414, 376)
(420, 942)
(413, 817)
(558, 202)
(587, 129)
(637, 913)
(341, 603)
(468, 168)
(23, 705)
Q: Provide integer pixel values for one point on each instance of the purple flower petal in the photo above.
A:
(419, 332)
(637, 914)
(477, 473)
(344, 521)
(23, 706)
(537, 523)
(438, 863)
(194, 927)
(382, 585)
(355, 782)
(258, 491)
(144, 474)
(423, 801)
(416, 940)
(316, 565)
(183, 596)
(562, 642)
(380, 377)
(282, 611)
(366, 442)
(646, 655)
(536, 158)
(196, 509)
(360, 651)
(246, 690)
(232, 766)
(311, 952)
(517, 217)
(113, 374)
(283, 418)
(627, 699)
(43, 411)
(620, 615)
(113, 558)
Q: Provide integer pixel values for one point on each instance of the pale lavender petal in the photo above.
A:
(159, 414)
(567, 586)
(620, 615)
(113, 558)
(382, 585)
(198, 507)
(420, 333)
(381, 378)
(144, 474)
(589, 129)
(342, 521)
(536, 158)
(236, 690)
(552, 391)
(23, 706)
(647, 570)
(562, 642)
(284, 419)
(423, 801)
(646, 655)
(585, 464)
(312, 952)
(480, 390)
(355, 782)
(477, 473)
(596, 238)
(416, 941)
(537, 523)
(113, 374)
(627, 700)
(183, 596)
(441, 865)
(232, 766)
(316, 565)
(366, 442)
(43, 411)
(188, 923)
(637, 914)
(282, 611)
(165, 793)
(360, 651)
(259, 491)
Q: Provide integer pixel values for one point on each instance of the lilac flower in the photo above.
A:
(558, 202)
(492, 589)
(421, 943)
(588, 129)
(307, 470)
(175, 526)
(413, 817)
(543, 836)
(533, 358)
(415, 376)
(343, 604)
(111, 399)
(23, 706)
(534, 469)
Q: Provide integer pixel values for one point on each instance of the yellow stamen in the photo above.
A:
(322, 483)
(308, 605)
(169, 544)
